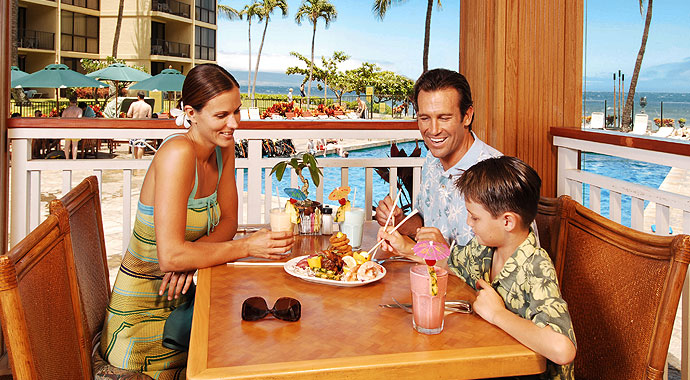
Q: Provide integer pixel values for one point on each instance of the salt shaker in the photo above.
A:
(327, 221)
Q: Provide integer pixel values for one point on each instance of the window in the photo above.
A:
(79, 32)
(205, 44)
(157, 67)
(73, 64)
(206, 11)
(91, 4)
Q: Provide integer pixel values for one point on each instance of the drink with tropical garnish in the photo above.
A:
(280, 220)
(428, 309)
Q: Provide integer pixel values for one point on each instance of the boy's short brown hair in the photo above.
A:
(503, 184)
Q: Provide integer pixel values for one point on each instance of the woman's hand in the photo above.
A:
(177, 283)
(268, 244)
(488, 303)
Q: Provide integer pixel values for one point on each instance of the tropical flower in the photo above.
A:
(180, 116)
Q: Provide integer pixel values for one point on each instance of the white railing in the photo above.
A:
(669, 208)
(25, 179)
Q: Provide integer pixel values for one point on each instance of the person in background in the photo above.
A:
(289, 95)
(38, 113)
(16, 114)
(361, 108)
(301, 90)
(71, 112)
(443, 101)
(139, 110)
(86, 110)
(186, 220)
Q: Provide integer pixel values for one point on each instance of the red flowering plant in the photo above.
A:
(281, 109)
(97, 110)
(55, 112)
(668, 122)
(330, 110)
(657, 122)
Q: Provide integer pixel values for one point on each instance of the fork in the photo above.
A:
(404, 307)
(394, 258)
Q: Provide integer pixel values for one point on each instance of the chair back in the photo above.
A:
(83, 207)
(547, 220)
(40, 308)
(622, 287)
(640, 127)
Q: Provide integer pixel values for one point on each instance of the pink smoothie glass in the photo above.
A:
(427, 309)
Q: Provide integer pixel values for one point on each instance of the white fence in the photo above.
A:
(670, 207)
(25, 176)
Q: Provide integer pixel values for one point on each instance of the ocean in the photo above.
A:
(675, 105)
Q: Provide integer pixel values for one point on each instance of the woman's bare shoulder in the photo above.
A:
(176, 149)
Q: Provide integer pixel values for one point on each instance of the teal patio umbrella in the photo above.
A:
(167, 80)
(118, 72)
(56, 76)
(16, 73)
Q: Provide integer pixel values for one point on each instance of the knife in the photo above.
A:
(460, 306)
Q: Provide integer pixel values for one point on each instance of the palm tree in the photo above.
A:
(118, 27)
(312, 10)
(233, 14)
(381, 7)
(627, 110)
(265, 9)
(251, 11)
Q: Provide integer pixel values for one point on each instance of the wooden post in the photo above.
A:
(5, 49)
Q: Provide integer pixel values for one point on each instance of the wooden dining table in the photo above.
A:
(342, 333)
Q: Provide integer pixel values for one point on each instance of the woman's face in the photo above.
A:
(219, 118)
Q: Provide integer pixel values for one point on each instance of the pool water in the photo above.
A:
(642, 173)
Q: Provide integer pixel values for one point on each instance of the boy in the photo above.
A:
(515, 280)
(516, 283)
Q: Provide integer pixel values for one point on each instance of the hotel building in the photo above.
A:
(155, 34)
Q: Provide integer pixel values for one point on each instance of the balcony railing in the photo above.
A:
(172, 7)
(33, 39)
(169, 48)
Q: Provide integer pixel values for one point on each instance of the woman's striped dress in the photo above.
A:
(133, 330)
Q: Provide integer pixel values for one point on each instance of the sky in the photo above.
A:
(613, 35)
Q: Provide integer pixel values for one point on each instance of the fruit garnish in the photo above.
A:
(293, 200)
(430, 262)
(314, 262)
(342, 201)
(339, 235)
(349, 261)
(359, 258)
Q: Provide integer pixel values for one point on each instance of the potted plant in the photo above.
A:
(681, 122)
(308, 211)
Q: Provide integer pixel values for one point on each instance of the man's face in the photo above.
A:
(441, 124)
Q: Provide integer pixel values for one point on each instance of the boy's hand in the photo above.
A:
(488, 303)
(430, 233)
(394, 242)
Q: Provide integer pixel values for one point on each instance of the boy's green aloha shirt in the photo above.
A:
(528, 285)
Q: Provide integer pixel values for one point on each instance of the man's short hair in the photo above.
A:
(72, 98)
(141, 94)
(503, 184)
(441, 79)
(81, 105)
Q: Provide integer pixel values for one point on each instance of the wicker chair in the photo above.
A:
(547, 224)
(83, 206)
(622, 287)
(40, 308)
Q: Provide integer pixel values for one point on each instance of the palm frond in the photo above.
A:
(229, 12)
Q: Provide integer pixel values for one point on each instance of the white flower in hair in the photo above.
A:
(180, 116)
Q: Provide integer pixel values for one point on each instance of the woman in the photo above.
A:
(191, 186)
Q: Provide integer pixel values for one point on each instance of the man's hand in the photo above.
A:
(384, 208)
(179, 283)
(488, 303)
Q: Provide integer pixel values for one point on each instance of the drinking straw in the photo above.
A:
(278, 195)
(354, 196)
(414, 212)
(390, 214)
(452, 244)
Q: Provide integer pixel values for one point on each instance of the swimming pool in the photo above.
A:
(643, 173)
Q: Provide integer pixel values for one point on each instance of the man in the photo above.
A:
(289, 95)
(443, 101)
(71, 112)
(139, 110)
(38, 113)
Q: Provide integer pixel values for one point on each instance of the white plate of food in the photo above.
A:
(370, 272)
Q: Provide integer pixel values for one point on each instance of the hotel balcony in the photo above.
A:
(33, 39)
(172, 7)
(169, 48)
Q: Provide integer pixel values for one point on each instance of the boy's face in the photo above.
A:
(488, 230)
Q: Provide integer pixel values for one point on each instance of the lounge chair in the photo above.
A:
(254, 113)
(640, 127)
(597, 121)
(244, 114)
(663, 132)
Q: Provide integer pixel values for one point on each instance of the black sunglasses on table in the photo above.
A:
(285, 308)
